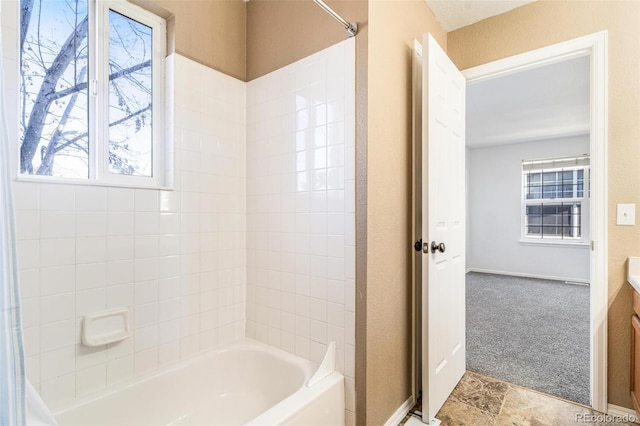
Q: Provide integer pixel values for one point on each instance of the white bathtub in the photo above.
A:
(244, 383)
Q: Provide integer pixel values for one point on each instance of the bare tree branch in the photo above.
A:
(113, 124)
(26, 6)
(46, 166)
(113, 76)
(36, 123)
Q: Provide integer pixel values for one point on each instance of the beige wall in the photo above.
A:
(211, 32)
(547, 22)
(280, 32)
(392, 27)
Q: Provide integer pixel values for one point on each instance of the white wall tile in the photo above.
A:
(120, 370)
(33, 370)
(146, 292)
(91, 275)
(26, 196)
(90, 250)
(91, 198)
(30, 312)
(318, 331)
(169, 353)
(168, 245)
(168, 288)
(57, 363)
(145, 361)
(146, 223)
(146, 338)
(89, 357)
(57, 334)
(350, 299)
(190, 345)
(170, 201)
(169, 223)
(91, 301)
(119, 296)
(59, 389)
(31, 337)
(146, 246)
(91, 224)
(29, 283)
(120, 223)
(120, 248)
(169, 310)
(91, 380)
(28, 224)
(300, 209)
(58, 197)
(120, 272)
(57, 308)
(120, 349)
(146, 200)
(29, 253)
(169, 331)
(57, 224)
(120, 199)
(56, 280)
(146, 269)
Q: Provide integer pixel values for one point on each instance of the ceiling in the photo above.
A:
(454, 14)
(541, 103)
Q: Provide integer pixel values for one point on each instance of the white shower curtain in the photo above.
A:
(12, 374)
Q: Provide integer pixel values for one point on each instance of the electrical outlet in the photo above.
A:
(626, 214)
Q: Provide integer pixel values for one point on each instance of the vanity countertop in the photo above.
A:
(633, 273)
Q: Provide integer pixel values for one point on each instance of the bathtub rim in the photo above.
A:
(300, 399)
(308, 367)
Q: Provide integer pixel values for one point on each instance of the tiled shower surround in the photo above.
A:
(175, 258)
(256, 239)
(300, 208)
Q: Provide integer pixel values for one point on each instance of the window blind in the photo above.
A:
(555, 163)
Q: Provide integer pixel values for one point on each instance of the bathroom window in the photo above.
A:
(92, 92)
(555, 194)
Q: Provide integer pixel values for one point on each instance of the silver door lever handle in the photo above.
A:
(437, 247)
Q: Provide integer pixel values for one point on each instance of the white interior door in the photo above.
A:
(443, 227)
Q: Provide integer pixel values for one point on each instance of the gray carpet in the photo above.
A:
(530, 332)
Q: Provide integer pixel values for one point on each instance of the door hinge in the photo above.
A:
(593, 245)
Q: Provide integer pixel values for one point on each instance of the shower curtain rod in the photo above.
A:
(351, 27)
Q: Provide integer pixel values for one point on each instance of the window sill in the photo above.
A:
(560, 243)
(89, 182)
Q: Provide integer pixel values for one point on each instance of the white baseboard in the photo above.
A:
(626, 415)
(402, 411)
(526, 275)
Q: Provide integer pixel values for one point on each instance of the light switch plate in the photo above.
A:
(626, 214)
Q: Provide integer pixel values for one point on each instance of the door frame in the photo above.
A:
(594, 45)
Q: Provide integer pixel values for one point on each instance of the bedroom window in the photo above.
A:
(554, 198)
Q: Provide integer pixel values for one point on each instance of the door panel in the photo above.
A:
(443, 221)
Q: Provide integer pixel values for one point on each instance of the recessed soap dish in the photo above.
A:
(105, 327)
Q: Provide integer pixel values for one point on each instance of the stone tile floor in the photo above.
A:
(480, 400)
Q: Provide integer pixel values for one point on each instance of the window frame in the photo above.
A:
(98, 103)
(526, 238)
